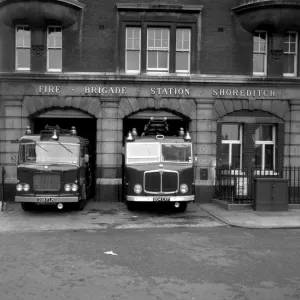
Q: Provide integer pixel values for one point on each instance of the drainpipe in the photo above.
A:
(3, 201)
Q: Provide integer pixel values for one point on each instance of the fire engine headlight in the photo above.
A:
(183, 188)
(74, 187)
(67, 187)
(138, 188)
(19, 187)
(26, 187)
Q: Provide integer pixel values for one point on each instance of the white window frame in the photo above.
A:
(162, 49)
(295, 54)
(184, 50)
(264, 73)
(264, 143)
(127, 49)
(48, 48)
(21, 47)
(231, 142)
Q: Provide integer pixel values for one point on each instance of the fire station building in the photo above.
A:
(227, 71)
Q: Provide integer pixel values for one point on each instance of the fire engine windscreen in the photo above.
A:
(181, 153)
(159, 152)
(49, 152)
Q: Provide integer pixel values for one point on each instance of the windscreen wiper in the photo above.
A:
(65, 147)
(40, 146)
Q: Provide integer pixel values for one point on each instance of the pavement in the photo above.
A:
(249, 218)
(104, 215)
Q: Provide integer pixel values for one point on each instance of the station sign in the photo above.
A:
(159, 91)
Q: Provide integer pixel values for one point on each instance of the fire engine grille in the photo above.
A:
(46, 182)
(161, 182)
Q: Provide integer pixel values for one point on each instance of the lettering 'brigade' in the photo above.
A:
(159, 168)
(53, 168)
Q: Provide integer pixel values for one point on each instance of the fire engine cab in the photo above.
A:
(159, 168)
(53, 168)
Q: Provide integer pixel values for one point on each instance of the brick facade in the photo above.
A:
(220, 89)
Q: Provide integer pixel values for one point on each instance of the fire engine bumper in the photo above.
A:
(189, 198)
(47, 200)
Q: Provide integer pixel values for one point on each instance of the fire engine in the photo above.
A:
(158, 167)
(53, 168)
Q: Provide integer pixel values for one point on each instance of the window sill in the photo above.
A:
(259, 74)
(262, 172)
(233, 172)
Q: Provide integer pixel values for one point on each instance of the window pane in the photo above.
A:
(163, 59)
(58, 40)
(152, 59)
(225, 155)
(54, 37)
(150, 38)
(289, 63)
(264, 133)
(157, 41)
(182, 61)
(23, 58)
(255, 46)
(230, 132)
(259, 41)
(132, 62)
(136, 43)
(51, 30)
(151, 33)
(55, 59)
(23, 37)
(286, 47)
(27, 38)
(129, 33)
(258, 157)
(51, 41)
(19, 38)
(292, 37)
(258, 63)
(165, 34)
(293, 47)
(236, 155)
(269, 153)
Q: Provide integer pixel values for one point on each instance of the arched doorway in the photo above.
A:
(86, 126)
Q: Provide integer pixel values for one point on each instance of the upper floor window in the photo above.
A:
(158, 45)
(260, 42)
(54, 49)
(167, 50)
(290, 53)
(183, 50)
(265, 147)
(23, 46)
(231, 147)
(133, 50)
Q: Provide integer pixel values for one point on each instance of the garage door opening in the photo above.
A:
(86, 127)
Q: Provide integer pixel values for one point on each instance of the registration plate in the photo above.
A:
(44, 199)
(161, 199)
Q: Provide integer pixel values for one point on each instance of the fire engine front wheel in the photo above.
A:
(27, 206)
(131, 206)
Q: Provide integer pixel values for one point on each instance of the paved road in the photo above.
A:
(153, 264)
